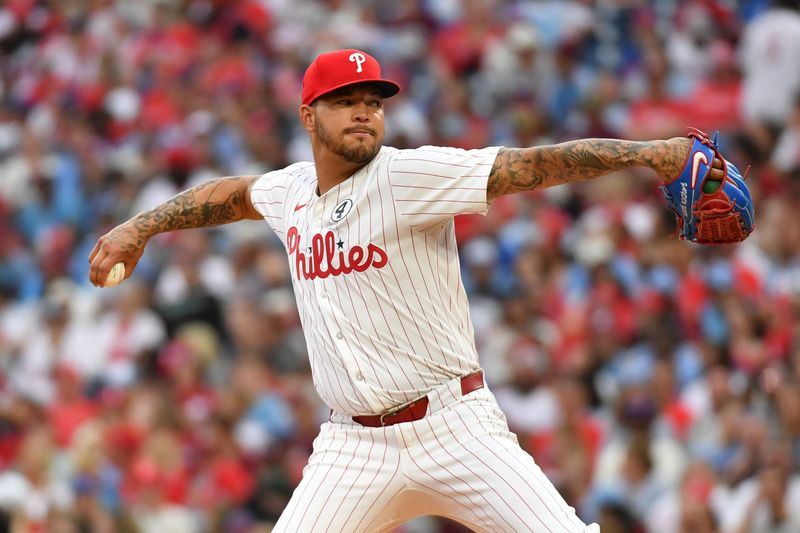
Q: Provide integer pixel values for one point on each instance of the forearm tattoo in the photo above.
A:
(523, 169)
(209, 204)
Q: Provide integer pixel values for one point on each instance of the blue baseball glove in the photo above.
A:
(719, 217)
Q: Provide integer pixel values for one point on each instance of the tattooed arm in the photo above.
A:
(213, 203)
(524, 169)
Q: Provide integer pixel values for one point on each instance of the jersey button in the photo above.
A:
(339, 335)
(360, 376)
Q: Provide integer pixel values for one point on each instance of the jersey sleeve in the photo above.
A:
(432, 184)
(268, 196)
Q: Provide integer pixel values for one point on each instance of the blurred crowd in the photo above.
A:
(656, 382)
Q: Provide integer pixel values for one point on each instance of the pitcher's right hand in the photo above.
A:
(123, 244)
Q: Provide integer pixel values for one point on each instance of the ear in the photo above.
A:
(307, 117)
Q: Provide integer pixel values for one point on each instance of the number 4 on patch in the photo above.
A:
(341, 210)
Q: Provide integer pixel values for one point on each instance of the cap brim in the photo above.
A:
(387, 88)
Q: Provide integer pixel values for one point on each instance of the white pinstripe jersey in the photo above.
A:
(376, 272)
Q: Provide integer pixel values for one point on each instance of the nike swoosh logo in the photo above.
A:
(298, 207)
(699, 157)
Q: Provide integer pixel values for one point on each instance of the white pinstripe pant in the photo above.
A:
(460, 462)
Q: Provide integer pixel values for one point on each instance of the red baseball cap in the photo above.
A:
(340, 68)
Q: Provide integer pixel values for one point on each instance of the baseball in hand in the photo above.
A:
(115, 275)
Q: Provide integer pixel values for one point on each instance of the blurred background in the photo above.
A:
(656, 382)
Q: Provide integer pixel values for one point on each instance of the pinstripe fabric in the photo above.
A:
(376, 272)
(460, 461)
(376, 275)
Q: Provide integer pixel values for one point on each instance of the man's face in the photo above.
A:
(349, 122)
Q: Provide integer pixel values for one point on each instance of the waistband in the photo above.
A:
(436, 399)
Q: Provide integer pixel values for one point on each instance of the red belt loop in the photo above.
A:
(417, 409)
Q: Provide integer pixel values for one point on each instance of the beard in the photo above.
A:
(359, 153)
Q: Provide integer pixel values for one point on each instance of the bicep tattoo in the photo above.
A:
(209, 204)
(513, 171)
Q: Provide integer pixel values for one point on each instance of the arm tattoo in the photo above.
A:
(209, 204)
(524, 169)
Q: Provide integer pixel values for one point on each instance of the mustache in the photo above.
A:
(360, 129)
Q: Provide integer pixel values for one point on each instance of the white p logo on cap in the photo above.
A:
(358, 59)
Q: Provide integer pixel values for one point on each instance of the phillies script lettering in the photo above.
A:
(325, 260)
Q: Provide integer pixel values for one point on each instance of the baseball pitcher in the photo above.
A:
(368, 230)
